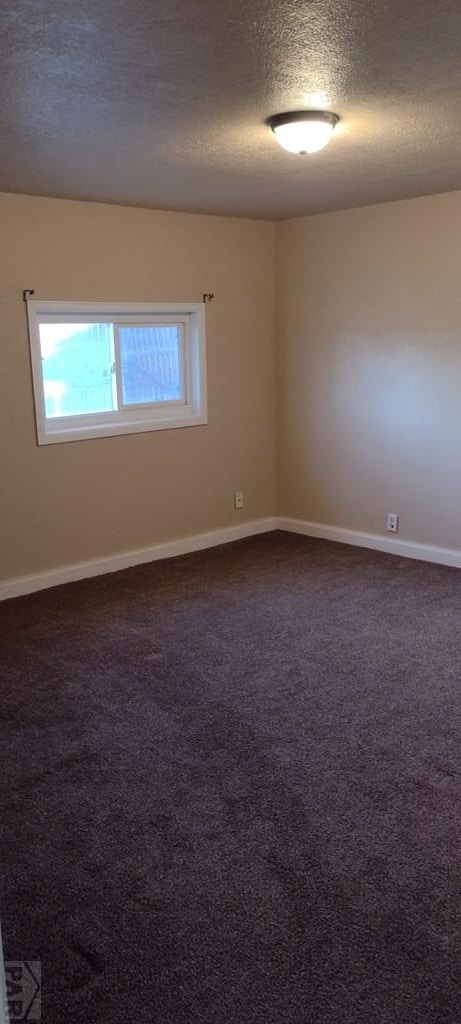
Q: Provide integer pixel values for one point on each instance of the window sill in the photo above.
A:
(87, 432)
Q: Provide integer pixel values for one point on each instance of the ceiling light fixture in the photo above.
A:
(303, 131)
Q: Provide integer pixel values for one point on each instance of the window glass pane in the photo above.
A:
(77, 368)
(150, 360)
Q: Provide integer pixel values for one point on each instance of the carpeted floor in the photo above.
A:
(232, 789)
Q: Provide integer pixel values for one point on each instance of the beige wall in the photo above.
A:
(368, 376)
(86, 499)
(370, 368)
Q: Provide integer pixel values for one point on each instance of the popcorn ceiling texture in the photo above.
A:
(163, 104)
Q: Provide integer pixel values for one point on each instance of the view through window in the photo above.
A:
(103, 371)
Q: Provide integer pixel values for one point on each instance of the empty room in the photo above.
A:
(230, 492)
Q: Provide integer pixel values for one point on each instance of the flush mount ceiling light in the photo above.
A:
(303, 131)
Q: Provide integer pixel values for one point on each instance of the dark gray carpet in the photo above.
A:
(232, 789)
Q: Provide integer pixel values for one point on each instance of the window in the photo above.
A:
(101, 368)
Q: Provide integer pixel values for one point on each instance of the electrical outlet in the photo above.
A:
(238, 499)
(392, 522)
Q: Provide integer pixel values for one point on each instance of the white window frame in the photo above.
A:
(189, 411)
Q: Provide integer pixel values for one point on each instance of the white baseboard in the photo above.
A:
(392, 545)
(112, 563)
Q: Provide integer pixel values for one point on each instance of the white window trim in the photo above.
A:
(128, 419)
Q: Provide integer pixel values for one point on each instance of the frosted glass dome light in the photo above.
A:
(303, 131)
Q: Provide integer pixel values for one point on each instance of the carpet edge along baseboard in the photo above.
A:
(138, 556)
(123, 560)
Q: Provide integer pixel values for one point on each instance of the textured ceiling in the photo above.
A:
(162, 103)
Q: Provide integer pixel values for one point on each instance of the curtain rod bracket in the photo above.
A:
(208, 296)
(27, 293)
